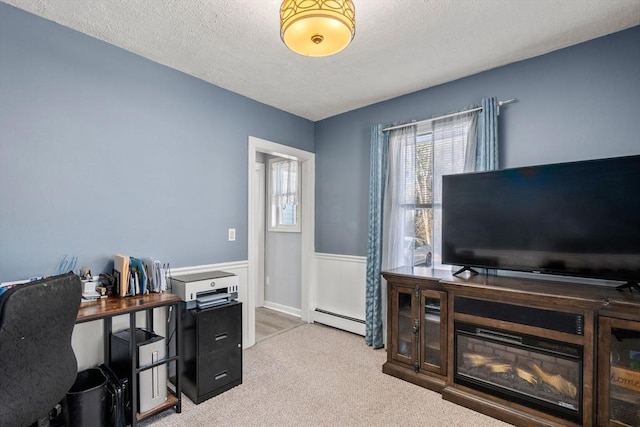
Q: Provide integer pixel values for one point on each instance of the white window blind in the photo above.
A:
(439, 150)
(284, 181)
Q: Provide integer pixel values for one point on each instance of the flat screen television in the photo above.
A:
(578, 219)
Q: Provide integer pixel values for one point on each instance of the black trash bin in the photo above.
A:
(86, 402)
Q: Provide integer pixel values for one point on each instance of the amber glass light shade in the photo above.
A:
(317, 27)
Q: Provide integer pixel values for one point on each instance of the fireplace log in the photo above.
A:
(557, 381)
(526, 375)
(498, 368)
(474, 359)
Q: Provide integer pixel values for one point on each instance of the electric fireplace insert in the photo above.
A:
(536, 372)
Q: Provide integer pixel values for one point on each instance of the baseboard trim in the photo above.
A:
(283, 309)
(342, 316)
(341, 322)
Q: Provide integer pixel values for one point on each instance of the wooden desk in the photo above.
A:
(106, 308)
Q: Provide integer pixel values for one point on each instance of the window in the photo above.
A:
(284, 183)
(439, 150)
(419, 197)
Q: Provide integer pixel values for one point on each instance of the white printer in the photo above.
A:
(207, 289)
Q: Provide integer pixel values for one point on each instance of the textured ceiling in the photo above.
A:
(400, 46)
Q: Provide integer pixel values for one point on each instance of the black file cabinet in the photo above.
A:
(212, 340)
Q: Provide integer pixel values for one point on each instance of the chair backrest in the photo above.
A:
(37, 362)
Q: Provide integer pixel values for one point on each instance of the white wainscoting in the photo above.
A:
(337, 299)
(339, 294)
(87, 338)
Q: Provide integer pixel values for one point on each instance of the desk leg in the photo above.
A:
(106, 323)
(133, 350)
(180, 354)
(150, 320)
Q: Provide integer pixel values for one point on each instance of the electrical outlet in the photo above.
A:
(232, 234)
(266, 281)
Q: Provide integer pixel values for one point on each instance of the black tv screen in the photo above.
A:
(579, 219)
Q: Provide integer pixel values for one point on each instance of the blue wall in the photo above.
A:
(579, 103)
(102, 151)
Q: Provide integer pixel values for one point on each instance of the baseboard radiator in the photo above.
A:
(339, 321)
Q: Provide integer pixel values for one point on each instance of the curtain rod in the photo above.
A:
(446, 116)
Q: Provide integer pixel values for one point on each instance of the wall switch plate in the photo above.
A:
(232, 234)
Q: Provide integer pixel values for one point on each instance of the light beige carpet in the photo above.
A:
(315, 375)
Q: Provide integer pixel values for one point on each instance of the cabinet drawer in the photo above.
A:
(219, 368)
(219, 327)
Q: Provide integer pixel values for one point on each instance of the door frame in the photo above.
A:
(260, 216)
(307, 237)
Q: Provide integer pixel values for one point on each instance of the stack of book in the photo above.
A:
(136, 276)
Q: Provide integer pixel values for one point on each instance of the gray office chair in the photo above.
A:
(37, 363)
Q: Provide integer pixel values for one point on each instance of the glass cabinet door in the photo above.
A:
(403, 348)
(433, 335)
(620, 402)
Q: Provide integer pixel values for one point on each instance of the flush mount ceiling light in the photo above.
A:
(317, 27)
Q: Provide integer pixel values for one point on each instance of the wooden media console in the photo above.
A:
(529, 352)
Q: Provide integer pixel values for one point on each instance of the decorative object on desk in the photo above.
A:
(86, 273)
(108, 282)
(65, 265)
(89, 290)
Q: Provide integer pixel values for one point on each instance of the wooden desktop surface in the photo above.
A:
(114, 306)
